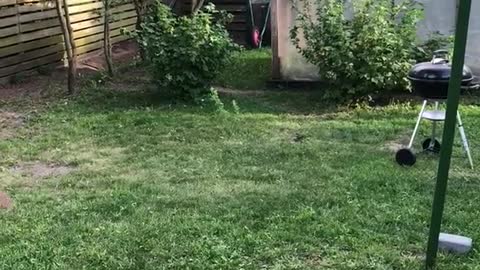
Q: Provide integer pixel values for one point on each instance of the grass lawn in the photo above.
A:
(131, 180)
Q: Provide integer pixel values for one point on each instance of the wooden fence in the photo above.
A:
(30, 35)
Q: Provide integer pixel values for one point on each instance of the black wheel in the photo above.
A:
(405, 157)
(436, 146)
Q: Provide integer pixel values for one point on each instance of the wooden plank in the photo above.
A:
(96, 37)
(99, 20)
(22, 57)
(31, 64)
(99, 44)
(5, 42)
(10, 11)
(32, 26)
(23, 47)
(30, 36)
(124, 15)
(4, 3)
(123, 8)
(99, 29)
(39, 6)
(36, 7)
(87, 24)
(85, 7)
(70, 2)
(4, 32)
(77, 18)
(84, 16)
(8, 21)
(37, 16)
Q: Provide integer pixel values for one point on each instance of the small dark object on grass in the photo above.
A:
(299, 137)
(405, 157)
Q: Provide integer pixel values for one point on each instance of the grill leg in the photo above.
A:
(463, 136)
(434, 127)
(419, 119)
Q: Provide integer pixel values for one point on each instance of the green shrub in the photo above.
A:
(424, 51)
(359, 56)
(186, 53)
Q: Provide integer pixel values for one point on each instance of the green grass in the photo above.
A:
(289, 183)
(250, 70)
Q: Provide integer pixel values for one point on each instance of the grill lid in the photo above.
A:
(439, 69)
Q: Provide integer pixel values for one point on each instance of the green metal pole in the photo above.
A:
(449, 129)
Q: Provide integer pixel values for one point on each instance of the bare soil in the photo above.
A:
(397, 144)
(38, 170)
(35, 86)
(9, 123)
(5, 201)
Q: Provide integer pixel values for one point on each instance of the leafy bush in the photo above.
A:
(363, 55)
(186, 53)
(424, 51)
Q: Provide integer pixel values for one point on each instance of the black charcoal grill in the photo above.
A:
(430, 81)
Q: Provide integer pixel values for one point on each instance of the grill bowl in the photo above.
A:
(433, 89)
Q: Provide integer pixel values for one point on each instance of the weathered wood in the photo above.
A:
(32, 26)
(99, 28)
(99, 44)
(37, 16)
(31, 64)
(4, 3)
(30, 36)
(18, 58)
(5, 12)
(70, 2)
(5, 32)
(28, 46)
(276, 72)
(82, 41)
(36, 7)
(8, 21)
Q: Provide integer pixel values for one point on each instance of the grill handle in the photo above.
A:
(440, 57)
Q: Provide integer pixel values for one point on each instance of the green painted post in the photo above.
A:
(449, 129)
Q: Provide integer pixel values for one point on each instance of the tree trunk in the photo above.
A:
(68, 45)
(140, 6)
(73, 60)
(197, 5)
(107, 46)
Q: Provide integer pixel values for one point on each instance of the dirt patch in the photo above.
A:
(9, 122)
(121, 53)
(35, 86)
(397, 144)
(42, 170)
(5, 201)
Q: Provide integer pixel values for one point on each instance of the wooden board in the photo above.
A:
(28, 46)
(19, 58)
(31, 64)
(4, 3)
